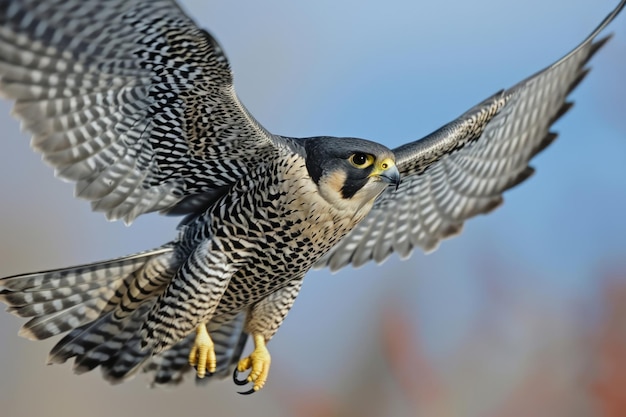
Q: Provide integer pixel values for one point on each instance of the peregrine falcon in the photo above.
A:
(134, 103)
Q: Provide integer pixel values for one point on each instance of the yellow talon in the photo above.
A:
(202, 354)
(259, 360)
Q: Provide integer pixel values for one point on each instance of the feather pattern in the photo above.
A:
(135, 104)
(462, 169)
(129, 99)
(60, 300)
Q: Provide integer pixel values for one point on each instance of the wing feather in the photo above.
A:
(127, 98)
(462, 169)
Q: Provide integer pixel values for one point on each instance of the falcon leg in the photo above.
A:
(202, 354)
(262, 321)
(259, 363)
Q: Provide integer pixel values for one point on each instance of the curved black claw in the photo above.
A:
(239, 382)
(242, 382)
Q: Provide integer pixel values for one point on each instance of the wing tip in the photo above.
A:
(565, 107)
(543, 144)
(597, 44)
(515, 181)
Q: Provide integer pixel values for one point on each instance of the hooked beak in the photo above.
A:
(390, 174)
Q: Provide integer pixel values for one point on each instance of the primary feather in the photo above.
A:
(461, 169)
(135, 103)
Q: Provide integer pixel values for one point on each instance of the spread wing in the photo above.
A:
(129, 99)
(463, 168)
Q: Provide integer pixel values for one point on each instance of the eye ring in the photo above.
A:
(361, 160)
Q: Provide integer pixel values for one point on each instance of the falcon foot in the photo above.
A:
(202, 355)
(259, 364)
(242, 382)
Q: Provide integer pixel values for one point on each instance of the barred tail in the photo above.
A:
(63, 299)
(103, 306)
(115, 346)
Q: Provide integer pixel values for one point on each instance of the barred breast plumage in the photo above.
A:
(136, 104)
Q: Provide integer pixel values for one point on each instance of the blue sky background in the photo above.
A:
(391, 72)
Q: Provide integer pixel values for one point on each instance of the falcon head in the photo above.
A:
(349, 171)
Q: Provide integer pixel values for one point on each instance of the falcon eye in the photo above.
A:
(361, 160)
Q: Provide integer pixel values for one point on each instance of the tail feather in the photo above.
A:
(52, 324)
(63, 299)
(103, 306)
(170, 366)
(125, 363)
(84, 339)
(115, 346)
(103, 272)
(30, 304)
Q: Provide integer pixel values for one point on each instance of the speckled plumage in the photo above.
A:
(253, 241)
(134, 103)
